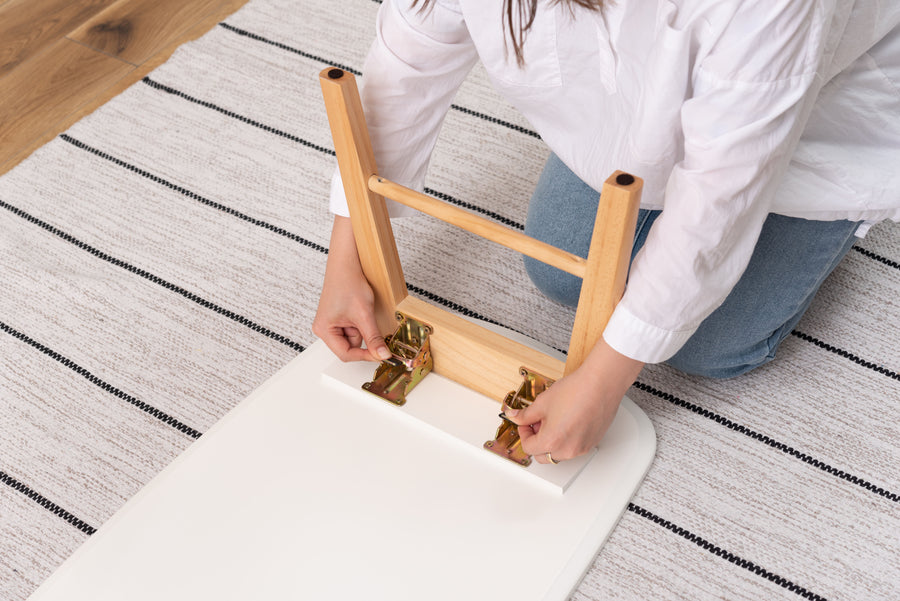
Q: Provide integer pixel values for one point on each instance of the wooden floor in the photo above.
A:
(61, 59)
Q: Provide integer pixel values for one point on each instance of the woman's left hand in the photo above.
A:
(569, 418)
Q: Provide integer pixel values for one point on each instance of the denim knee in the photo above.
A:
(554, 283)
(726, 358)
(561, 213)
(718, 367)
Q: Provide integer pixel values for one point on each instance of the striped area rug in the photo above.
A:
(163, 257)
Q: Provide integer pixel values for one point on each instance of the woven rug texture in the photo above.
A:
(163, 258)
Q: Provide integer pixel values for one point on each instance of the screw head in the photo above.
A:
(335, 74)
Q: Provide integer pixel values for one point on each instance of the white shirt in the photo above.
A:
(728, 110)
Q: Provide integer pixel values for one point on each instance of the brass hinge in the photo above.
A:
(506, 442)
(410, 361)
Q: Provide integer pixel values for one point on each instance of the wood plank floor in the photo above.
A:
(61, 59)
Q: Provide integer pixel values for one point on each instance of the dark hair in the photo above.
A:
(525, 10)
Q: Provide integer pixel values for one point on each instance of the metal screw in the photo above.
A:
(335, 74)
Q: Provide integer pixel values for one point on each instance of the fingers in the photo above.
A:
(340, 343)
(529, 435)
(545, 458)
(353, 337)
(539, 450)
(346, 343)
(346, 332)
(358, 354)
(528, 416)
(345, 319)
(531, 421)
(377, 347)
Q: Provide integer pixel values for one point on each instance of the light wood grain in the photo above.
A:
(607, 265)
(476, 357)
(31, 134)
(368, 212)
(135, 30)
(480, 226)
(28, 27)
(66, 69)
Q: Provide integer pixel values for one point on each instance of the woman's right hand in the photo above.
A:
(345, 318)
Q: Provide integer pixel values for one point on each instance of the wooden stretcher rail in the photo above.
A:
(480, 226)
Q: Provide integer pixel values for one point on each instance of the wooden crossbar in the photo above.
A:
(463, 351)
(480, 226)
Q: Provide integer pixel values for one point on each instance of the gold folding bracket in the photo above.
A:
(410, 361)
(507, 443)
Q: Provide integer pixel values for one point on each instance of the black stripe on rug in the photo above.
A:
(193, 195)
(788, 450)
(722, 553)
(46, 503)
(87, 375)
(467, 205)
(458, 308)
(496, 121)
(847, 355)
(153, 278)
(876, 257)
(328, 63)
(209, 105)
(258, 38)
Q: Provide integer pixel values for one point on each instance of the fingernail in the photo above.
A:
(384, 353)
(511, 412)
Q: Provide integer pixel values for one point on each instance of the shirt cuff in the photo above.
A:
(338, 200)
(640, 340)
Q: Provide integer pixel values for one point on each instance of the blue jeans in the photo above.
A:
(792, 258)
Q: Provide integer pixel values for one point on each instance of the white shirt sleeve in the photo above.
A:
(753, 89)
(417, 62)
